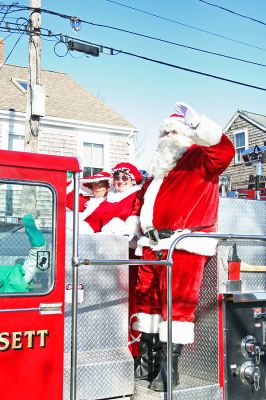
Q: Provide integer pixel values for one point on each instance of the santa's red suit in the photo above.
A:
(180, 197)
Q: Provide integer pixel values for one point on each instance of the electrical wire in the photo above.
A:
(233, 12)
(175, 44)
(151, 60)
(179, 44)
(111, 49)
(4, 15)
(167, 42)
(65, 16)
(5, 38)
(11, 51)
(193, 71)
(186, 25)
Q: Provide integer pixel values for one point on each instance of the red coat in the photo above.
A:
(188, 196)
(116, 211)
(82, 201)
(111, 216)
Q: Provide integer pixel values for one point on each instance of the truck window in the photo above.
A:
(26, 238)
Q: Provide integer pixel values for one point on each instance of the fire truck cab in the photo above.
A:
(227, 361)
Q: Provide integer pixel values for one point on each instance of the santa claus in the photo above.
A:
(181, 197)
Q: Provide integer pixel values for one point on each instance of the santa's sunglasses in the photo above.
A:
(117, 177)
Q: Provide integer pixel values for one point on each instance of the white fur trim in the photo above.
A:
(91, 205)
(174, 124)
(208, 133)
(204, 246)
(133, 225)
(146, 214)
(148, 323)
(85, 228)
(182, 332)
(118, 196)
(96, 179)
(115, 226)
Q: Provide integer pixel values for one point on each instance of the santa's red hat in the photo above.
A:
(130, 170)
(101, 176)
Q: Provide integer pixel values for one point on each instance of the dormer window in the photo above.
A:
(21, 84)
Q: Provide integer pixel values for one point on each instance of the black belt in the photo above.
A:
(154, 234)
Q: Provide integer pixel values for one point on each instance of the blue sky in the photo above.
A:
(144, 92)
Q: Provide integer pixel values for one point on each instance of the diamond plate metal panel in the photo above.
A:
(201, 359)
(105, 365)
(189, 389)
(241, 216)
(101, 374)
(198, 364)
(248, 217)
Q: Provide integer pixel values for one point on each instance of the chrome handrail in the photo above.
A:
(168, 263)
(169, 291)
(75, 265)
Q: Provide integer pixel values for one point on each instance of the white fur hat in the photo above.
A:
(176, 122)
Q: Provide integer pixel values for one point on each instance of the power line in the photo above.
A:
(178, 44)
(186, 25)
(11, 51)
(233, 12)
(148, 13)
(173, 43)
(8, 8)
(193, 71)
(112, 50)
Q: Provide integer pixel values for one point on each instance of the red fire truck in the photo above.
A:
(67, 336)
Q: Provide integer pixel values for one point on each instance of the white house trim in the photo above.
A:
(70, 123)
(244, 116)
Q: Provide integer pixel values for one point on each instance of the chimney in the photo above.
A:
(1, 51)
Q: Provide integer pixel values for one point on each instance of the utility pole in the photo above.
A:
(32, 123)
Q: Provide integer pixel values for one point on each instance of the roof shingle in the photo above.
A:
(65, 98)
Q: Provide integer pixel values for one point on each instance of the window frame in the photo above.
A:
(87, 144)
(94, 138)
(235, 133)
(53, 237)
(17, 83)
(16, 136)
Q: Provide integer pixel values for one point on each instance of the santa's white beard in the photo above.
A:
(169, 151)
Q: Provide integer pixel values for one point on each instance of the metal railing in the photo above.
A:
(168, 262)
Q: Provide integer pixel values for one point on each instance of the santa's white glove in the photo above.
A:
(191, 117)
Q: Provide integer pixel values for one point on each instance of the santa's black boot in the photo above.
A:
(144, 362)
(159, 381)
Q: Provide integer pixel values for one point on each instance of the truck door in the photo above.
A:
(31, 291)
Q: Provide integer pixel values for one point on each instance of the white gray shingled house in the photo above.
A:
(76, 123)
(245, 129)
